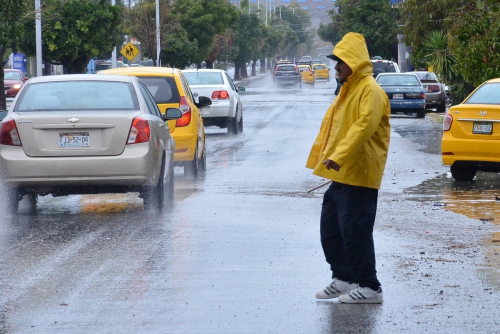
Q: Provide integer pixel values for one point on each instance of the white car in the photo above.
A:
(226, 110)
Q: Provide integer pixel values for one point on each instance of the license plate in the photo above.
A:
(397, 96)
(75, 139)
(483, 128)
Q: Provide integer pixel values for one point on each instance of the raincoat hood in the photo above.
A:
(353, 51)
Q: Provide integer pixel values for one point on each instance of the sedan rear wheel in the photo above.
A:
(13, 199)
(154, 197)
(442, 107)
(202, 163)
(232, 125)
(240, 123)
(463, 174)
(421, 113)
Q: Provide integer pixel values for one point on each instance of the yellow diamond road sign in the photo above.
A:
(129, 51)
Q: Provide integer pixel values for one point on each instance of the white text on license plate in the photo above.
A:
(397, 96)
(75, 139)
(484, 128)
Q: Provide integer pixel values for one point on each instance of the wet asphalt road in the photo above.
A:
(239, 250)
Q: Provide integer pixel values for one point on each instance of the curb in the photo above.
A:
(243, 82)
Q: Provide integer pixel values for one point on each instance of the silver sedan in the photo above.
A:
(85, 134)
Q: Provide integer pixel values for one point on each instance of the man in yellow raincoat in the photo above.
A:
(351, 150)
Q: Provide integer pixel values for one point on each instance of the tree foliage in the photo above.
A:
(374, 19)
(75, 31)
(12, 13)
(459, 38)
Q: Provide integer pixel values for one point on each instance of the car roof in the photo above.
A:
(303, 65)
(381, 61)
(319, 64)
(397, 73)
(496, 80)
(203, 70)
(142, 71)
(80, 77)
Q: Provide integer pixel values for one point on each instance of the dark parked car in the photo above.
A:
(435, 92)
(405, 92)
(287, 74)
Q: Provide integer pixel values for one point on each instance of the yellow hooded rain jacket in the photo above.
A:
(355, 131)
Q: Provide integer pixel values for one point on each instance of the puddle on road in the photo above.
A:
(479, 199)
(429, 137)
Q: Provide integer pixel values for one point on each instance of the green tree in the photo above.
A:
(75, 31)
(246, 43)
(203, 20)
(12, 13)
(177, 50)
(328, 33)
(374, 19)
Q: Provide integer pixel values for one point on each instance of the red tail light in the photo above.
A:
(9, 134)
(433, 88)
(186, 112)
(223, 94)
(448, 119)
(139, 131)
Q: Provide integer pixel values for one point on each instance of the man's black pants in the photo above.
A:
(347, 220)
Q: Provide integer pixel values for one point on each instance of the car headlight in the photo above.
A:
(16, 86)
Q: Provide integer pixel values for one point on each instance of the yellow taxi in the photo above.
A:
(171, 90)
(321, 71)
(306, 73)
(471, 133)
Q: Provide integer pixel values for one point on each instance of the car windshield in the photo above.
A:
(426, 76)
(381, 67)
(204, 78)
(12, 76)
(285, 68)
(78, 95)
(398, 80)
(163, 89)
(319, 67)
(486, 94)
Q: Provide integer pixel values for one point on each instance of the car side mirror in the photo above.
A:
(171, 113)
(203, 101)
(240, 89)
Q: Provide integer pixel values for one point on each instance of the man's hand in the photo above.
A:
(330, 164)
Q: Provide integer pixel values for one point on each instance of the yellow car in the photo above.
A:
(306, 73)
(471, 133)
(321, 71)
(171, 90)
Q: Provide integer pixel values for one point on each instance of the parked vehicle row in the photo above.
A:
(288, 73)
(123, 130)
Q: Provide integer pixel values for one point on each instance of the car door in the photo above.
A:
(196, 114)
(235, 96)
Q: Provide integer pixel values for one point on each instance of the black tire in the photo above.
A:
(169, 188)
(191, 167)
(154, 197)
(202, 163)
(463, 174)
(232, 125)
(240, 123)
(441, 107)
(421, 113)
(31, 201)
(12, 200)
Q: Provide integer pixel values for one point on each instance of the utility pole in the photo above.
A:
(38, 31)
(113, 55)
(266, 12)
(158, 44)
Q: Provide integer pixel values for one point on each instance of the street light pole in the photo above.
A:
(114, 63)
(38, 32)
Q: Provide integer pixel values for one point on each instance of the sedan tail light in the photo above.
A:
(448, 119)
(415, 95)
(186, 113)
(139, 131)
(433, 88)
(9, 134)
(221, 95)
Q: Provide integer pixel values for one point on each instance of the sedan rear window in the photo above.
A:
(204, 78)
(163, 89)
(319, 67)
(381, 67)
(486, 94)
(398, 80)
(426, 76)
(78, 95)
(286, 68)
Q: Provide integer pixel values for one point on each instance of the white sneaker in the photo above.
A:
(335, 289)
(363, 296)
